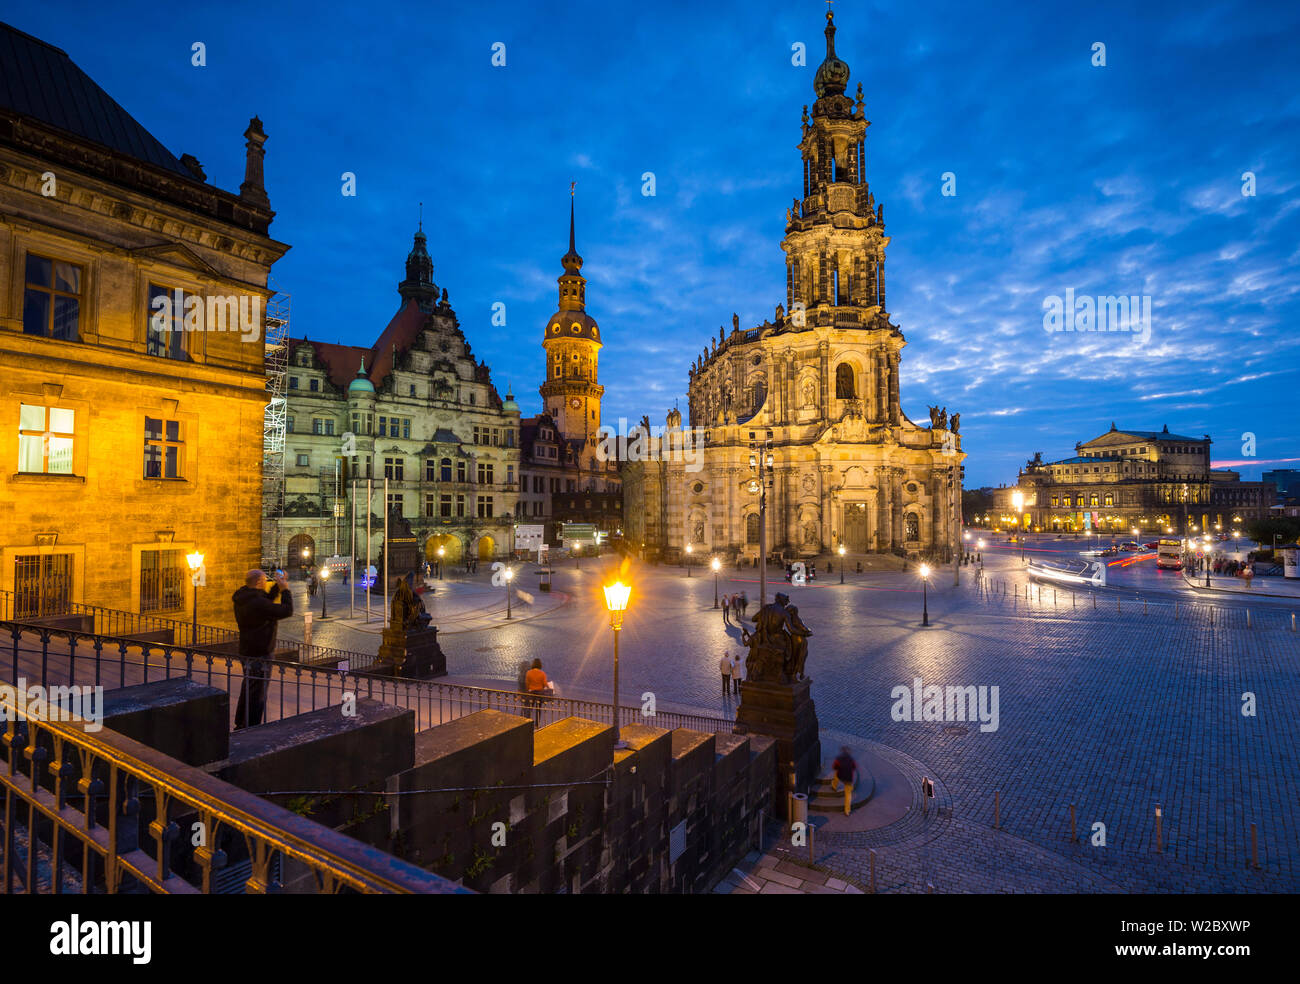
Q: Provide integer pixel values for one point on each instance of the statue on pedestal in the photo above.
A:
(778, 647)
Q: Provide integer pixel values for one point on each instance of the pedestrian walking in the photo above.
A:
(735, 674)
(726, 605)
(844, 770)
(312, 583)
(744, 603)
(538, 687)
(725, 666)
(257, 612)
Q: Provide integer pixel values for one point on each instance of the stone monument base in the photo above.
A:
(413, 653)
(784, 711)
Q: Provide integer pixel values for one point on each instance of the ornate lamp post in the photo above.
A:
(306, 553)
(717, 566)
(510, 576)
(616, 598)
(841, 563)
(195, 560)
(324, 582)
(689, 548)
(761, 463)
(980, 554)
(1207, 560)
(577, 549)
(1018, 500)
(925, 598)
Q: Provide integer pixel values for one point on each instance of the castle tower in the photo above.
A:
(571, 393)
(834, 238)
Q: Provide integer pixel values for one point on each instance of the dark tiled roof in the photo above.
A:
(40, 81)
(1076, 461)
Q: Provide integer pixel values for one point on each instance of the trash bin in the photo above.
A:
(799, 808)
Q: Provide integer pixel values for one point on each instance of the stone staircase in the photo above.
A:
(822, 800)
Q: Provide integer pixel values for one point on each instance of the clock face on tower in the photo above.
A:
(575, 403)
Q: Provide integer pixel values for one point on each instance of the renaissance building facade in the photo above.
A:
(416, 408)
(1151, 481)
(132, 300)
(818, 386)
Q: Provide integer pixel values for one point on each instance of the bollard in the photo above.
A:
(1175, 611)
(929, 889)
(1293, 621)
(1074, 830)
(1094, 601)
(1144, 606)
(1159, 845)
(811, 856)
(997, 809)
(1248, 624)
(1073, 603)
(1254, 847)
(872, 856)
(1053, 597)
(1117, 604)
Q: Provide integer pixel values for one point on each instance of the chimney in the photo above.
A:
(253, 190)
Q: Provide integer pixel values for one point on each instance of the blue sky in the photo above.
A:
(1117, 180)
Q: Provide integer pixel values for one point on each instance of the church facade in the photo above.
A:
(816, 387)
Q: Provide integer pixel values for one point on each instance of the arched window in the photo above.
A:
(444, 470)
(911, 528)
(1110, 499)
(760, 395)
(844, 388)
(751, 528)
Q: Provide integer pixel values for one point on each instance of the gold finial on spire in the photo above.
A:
(421, 217)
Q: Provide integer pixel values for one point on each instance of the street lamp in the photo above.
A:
(195, 560)
(1207, 560)
(980, 555)
(324, 581)
(841, 563)
(441, 552)
(1018, 500)
(716, 565)
(577, 549)
(510, 576)
(305, 554)
(762, 464)
(689, 548)
(925, 600)
(616, 598)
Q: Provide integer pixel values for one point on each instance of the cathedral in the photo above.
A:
(814, 391)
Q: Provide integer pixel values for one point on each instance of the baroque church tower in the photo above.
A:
(571, 394)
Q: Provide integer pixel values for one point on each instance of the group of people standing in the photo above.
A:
(734, 603)
(730, 667)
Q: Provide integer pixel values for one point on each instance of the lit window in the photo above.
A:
(45, 437)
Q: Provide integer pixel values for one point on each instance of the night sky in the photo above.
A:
(1118, 180)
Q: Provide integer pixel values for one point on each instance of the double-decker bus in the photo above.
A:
(1169, 555)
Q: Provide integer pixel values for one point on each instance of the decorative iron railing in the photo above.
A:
(51, 655)
(94, 812)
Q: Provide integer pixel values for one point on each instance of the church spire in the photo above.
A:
(573, 285)
(419, 272)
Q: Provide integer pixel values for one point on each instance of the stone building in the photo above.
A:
(416, 408)
(1234, 502)
(820, 381)
(566, 478)
(1120, 481)
(132, 299)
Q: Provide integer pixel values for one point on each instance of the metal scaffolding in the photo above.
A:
(273, 428)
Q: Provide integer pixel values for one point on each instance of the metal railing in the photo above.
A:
(54, 656)
(91, 812)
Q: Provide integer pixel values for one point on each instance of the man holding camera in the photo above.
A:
(259, 605)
